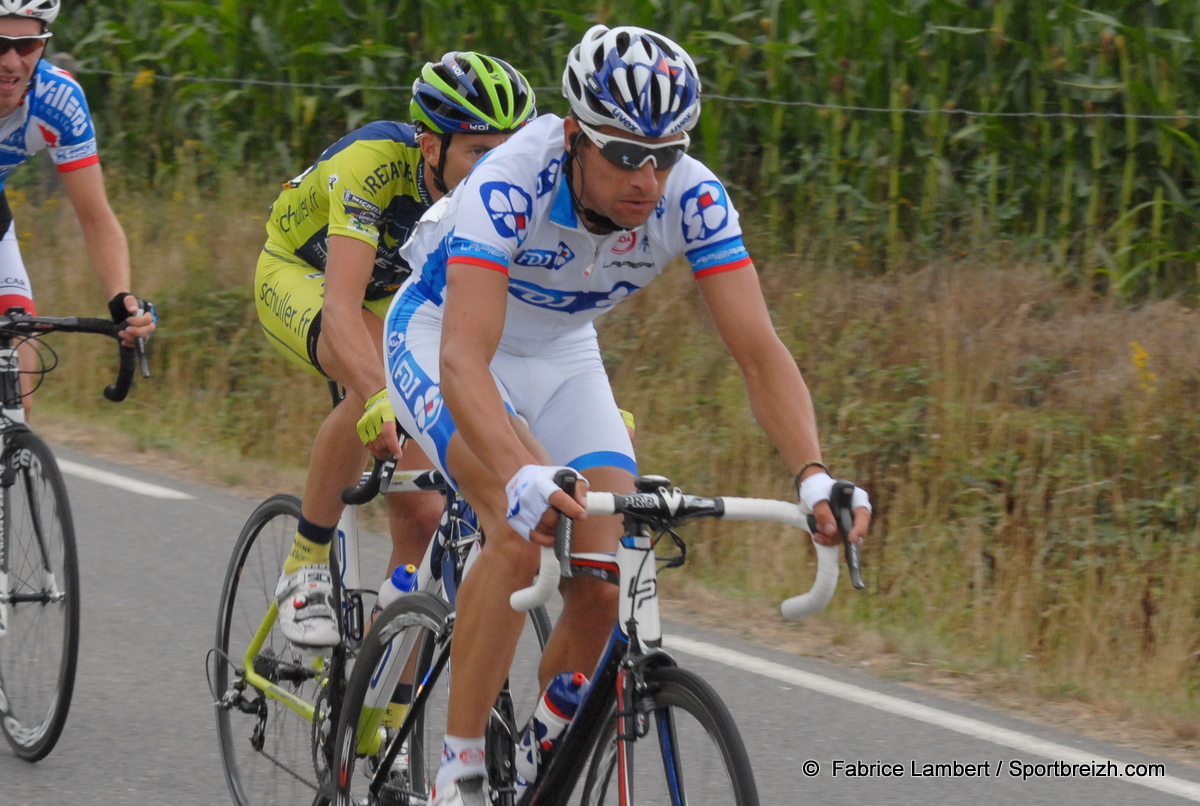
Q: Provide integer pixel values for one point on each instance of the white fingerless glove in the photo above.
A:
(529, 494)
(817, 488)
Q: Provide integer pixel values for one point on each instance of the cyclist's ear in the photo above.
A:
(431, 147)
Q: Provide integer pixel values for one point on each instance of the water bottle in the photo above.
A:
(402, 580)
(555, 710)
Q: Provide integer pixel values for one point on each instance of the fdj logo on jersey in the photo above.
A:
(546, 258)
(418, 390)
(705, 211)
(395, 340)
(509, 207)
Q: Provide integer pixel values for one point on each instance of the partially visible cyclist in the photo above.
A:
(494, 366)
(325, 278)
(43, 107)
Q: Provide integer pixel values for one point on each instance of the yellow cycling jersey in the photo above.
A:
(368, 185)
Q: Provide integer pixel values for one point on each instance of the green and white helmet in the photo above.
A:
(470, 93)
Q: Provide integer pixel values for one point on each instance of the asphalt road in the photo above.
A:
(141, 728)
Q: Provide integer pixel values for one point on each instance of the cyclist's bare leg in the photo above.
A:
(589, 605)
(338, 458)
(337, 461)
(412, 517)
(486, 628)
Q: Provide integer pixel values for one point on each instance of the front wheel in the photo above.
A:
(39, 598)
(404, 652)
(688, 749)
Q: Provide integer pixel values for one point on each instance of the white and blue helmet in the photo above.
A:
(44, 10)
(633, 79)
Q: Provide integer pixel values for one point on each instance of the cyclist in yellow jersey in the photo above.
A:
(325, 278)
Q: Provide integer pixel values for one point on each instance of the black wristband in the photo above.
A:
(116, 307)
(806, 466)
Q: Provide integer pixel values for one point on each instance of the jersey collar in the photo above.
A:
(562, 208)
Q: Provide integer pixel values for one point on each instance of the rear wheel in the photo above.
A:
(688, 750)
(39, 598)
(267, 747)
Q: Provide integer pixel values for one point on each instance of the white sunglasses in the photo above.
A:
(633, 154)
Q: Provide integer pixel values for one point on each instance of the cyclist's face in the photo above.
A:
(627, 197)
(464, 151)
(15, 69)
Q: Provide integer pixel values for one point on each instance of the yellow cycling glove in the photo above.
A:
(376, 412)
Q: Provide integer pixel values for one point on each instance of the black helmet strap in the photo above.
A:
(439, 180)
(588, 214)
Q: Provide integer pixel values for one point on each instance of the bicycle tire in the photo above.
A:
(393, 633)
(43, 571)
(709, 758)
(267, 749)
(406, 632)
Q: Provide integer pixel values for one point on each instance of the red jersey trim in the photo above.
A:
(475, 261)
(737, 264)
(77, 164)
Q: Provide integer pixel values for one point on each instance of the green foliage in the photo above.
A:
(1111, 201)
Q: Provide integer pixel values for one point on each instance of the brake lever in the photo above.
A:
(565, 532)
(840, 499)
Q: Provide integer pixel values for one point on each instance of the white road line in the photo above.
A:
(944, 719)
(113, 480)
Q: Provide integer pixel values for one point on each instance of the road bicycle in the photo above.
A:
(646, 730)
(39, 567)
(277, 704)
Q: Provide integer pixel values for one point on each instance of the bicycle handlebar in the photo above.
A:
(368, 487)
(555, 561)
(670, 509)
(18, 323)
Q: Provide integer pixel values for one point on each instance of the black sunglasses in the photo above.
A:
(23, 45)
(633, 154)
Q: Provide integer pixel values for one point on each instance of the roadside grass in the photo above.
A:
(1031, 450)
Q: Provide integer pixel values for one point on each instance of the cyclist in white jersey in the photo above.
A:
(493, 361)
(42, 107)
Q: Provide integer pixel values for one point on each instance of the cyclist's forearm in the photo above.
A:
(108, 252)
(349, 354)
(347, 350)
(476, 307)
(782, 405)
(107, 247)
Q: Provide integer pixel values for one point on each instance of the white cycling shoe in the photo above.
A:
(470, 791)
(305, 600)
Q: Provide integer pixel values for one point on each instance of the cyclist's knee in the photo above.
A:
(415, 516)
(511, 555)
(595, 597)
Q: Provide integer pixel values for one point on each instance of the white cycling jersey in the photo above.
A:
(514, 214)
(53, 116)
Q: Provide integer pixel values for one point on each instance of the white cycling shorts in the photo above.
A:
(562, 392)
(15, 289)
